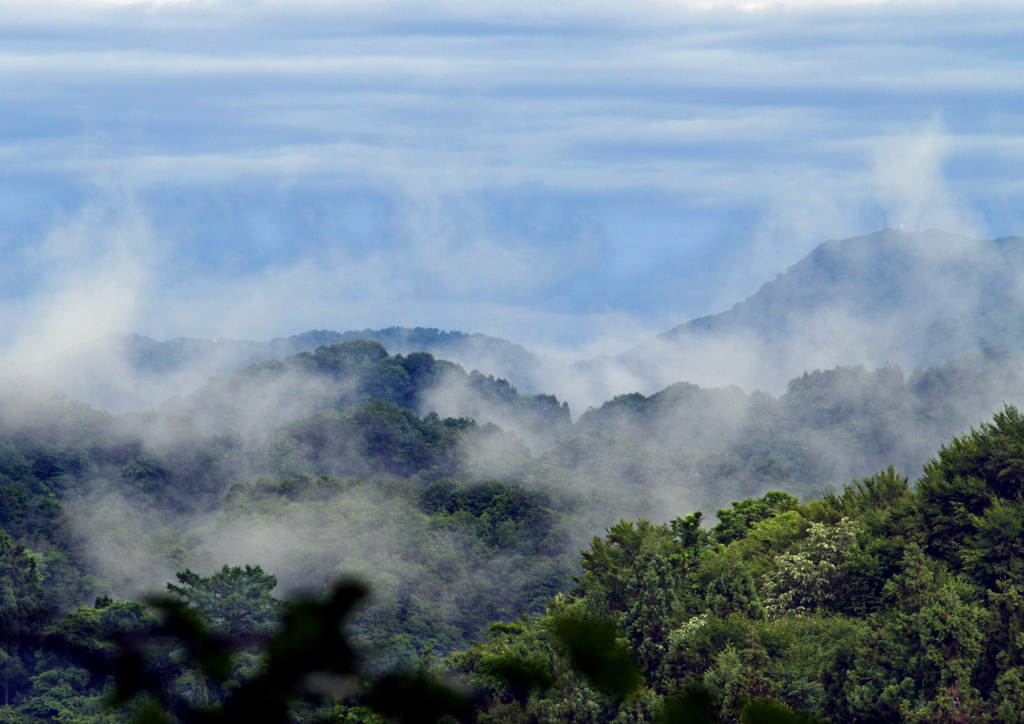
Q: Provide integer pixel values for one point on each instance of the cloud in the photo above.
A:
(909, 171)
(89, 273)
(552, 173)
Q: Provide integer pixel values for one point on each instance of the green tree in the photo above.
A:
(609, 567)
(21, 614)
(919, 663)
(996, 550)
(234, 601)
(734, 522)
(738, 676)
(63, 695)
(993, 453)
(731, 588)
(648, 620)
(809, 580)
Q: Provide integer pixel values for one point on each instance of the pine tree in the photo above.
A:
(732, 590)
(234, 600)
(648, 620)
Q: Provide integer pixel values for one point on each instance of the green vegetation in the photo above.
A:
(878, 604)
(463, 505)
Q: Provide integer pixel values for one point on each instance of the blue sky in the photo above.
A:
(574, 176)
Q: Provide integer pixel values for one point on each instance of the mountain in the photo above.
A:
(890, 298)
(252, 401)
(135, 372)
(887, 298)
(473, 351)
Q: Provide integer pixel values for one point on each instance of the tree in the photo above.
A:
(809, 580)
(996, 551)
(993, 453)
(610, 566)
(648, 621)
(21, 613)
(731, 588)
(734, 522)
(234, 601)
(972, 473)
(919, 662)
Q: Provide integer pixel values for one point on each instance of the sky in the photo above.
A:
(573, 176)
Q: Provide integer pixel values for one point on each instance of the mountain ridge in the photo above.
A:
(886, 298)
(890, 297)
(151, 355)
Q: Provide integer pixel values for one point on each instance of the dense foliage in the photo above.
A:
(828, 428)
(463, 503)
(881, 603)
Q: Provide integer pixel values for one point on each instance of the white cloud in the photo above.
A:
(92, 270)
(910, 174)
(490, 144)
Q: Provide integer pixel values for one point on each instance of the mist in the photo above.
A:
(610, 262)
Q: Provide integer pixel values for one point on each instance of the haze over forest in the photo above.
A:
(465, 502)
(205, 419)
(697, 321)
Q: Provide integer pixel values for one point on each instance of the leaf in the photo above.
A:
(695, 706)
(151, 713)
(594, 651)
(212, 655)
(519, 673)
(416, 698)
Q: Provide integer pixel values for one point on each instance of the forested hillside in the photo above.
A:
(940, 295)
(317, 464)
(463, 502)
(880, 603)
(132, 372)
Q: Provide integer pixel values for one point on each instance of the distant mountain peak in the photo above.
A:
(889, 297)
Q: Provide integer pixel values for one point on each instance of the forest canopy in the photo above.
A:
(482, 520)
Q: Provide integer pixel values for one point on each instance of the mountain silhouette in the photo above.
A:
(887, 298)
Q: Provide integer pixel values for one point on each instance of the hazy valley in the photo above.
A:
(448, 471)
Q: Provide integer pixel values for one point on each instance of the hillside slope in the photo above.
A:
(888, 298)
(132, 372)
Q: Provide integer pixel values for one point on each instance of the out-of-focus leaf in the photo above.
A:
(694, 706)
(151, 713)
(212, 655)
(416, 699)
(593, 650)
(310, 641)
(130, 677)
(311, 638)
(522, 675)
